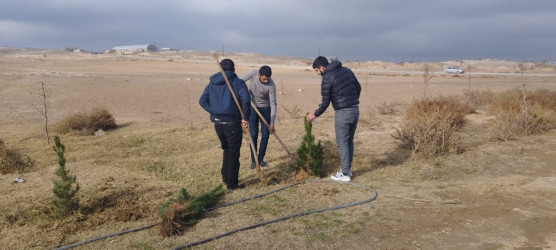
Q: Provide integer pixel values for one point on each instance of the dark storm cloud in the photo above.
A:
(402, 30)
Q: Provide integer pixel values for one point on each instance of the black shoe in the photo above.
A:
(252, 165)
(263, 164)
(240, 186)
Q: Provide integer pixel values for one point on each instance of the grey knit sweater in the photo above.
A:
(262, 95)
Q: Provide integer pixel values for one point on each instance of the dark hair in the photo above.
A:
(227, 65)
(265, 71)
(320, 61)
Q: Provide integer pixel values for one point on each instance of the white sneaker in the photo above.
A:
(340, 172)
(339, 176)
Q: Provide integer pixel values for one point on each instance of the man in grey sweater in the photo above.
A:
(263, 95)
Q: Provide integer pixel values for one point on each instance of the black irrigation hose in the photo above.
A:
(375, 194)
(154, 224)
(251, 198)
(107, 236)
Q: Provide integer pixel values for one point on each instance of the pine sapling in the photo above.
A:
(185, 210)
(310, 155)
(66, 188)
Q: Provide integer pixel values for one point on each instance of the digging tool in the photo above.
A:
(257, 166)
(275, 135)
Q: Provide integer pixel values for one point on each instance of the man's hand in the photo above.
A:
(271, 129)
(310, 117)
(244, 123)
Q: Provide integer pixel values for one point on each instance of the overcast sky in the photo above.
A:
(366, 30)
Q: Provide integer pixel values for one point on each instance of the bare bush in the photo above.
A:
(543, 98)
(11, 161)
(504, 128)
(386, 108)
(87, 123)
(477, 99)
(429, 125)
(522, 113)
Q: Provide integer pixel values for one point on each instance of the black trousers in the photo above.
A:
(230, 135)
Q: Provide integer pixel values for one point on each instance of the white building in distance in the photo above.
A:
(168, 49)
(133, 49)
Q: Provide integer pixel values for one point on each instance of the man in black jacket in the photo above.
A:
(224, 113)
(339, 86)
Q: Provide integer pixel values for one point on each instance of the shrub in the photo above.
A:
(478, 98)
(521, 113)
(429, 126)
(66, 188)
(543, 98)
(87, 123)
(12, 161)
(386, 108)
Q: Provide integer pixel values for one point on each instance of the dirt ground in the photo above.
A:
(495, 195)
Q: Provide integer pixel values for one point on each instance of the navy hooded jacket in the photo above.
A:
(218, 101)
(339, 86)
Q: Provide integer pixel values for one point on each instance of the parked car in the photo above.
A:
(454, 70)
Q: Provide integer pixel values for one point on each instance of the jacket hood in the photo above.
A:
(218, 79)
(333, 66)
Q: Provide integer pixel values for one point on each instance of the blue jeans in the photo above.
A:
(345, 123)
(254, 121)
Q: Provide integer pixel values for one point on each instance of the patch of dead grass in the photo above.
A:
(12, 161)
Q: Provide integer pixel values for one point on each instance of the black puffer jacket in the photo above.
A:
(339, 86)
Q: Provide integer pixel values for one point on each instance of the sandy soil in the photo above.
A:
(494, 196)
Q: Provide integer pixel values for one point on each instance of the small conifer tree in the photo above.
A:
(310, 155)
(185, 210)
(66, 188)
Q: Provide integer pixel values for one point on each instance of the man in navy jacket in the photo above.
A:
(340, 87)
(224, 113)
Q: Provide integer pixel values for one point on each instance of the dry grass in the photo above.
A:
(429, 126)
(136, 170)
(118, 161)
(12, 161)
(127, 174)
(87, 123)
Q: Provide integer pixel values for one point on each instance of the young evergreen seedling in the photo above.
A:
(310, 155)
(185, 210)
(66, 187)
